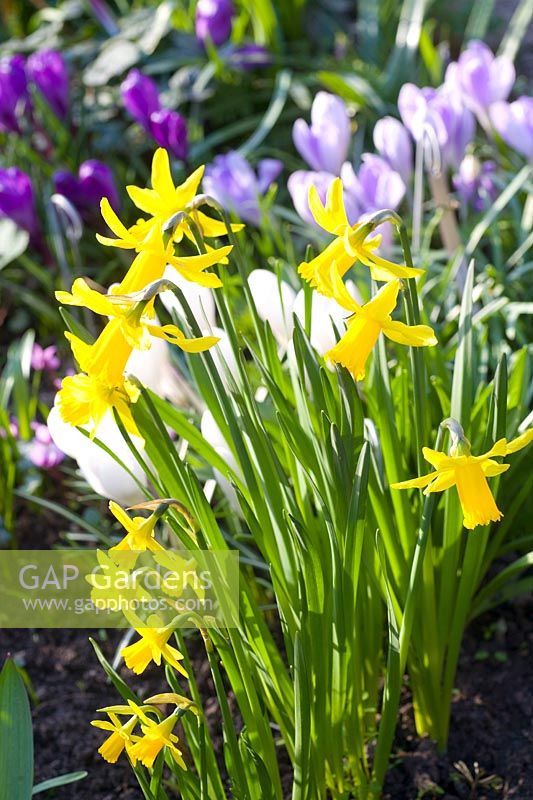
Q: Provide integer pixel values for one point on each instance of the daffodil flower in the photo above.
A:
(165, 200)
(139, 531)
(351, 244)
(469, 474)
(87, 399)
(120, 739)
(152, 646)
(154, 255)
(157, 735)
(131, 327)
(366, 324)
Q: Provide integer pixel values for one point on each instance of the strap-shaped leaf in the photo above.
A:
(16, 736)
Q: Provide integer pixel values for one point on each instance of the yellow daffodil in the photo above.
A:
(469, 474)
(366, 324)
(139, 531)
(154, 254)
(131, 327)
(152, 646)
(120, 739)
(157, 735)
(165, 200)
(351, 244)
(86, 399)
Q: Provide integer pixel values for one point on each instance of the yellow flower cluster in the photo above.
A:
(102, 384)
(325, 272)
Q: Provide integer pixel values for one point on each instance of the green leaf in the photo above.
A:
(61, 780)
(16, 736)
(13, 241)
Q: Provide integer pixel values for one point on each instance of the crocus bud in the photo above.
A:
(232, 182)
(169, 129)
(140, 97)
(199, 298)
(480, 78)
(214, 20)
(14, 97)
(514, 123)
(95, 180)
(327, 317)
(393, 143)
(48, 71)
(250, 56)
(44, 358)
(324, 144)
(42, 451)
(16, 199)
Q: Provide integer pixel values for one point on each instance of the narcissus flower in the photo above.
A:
(139, 531)
(157, 735)
(350, 245)
(469, 474)
(120, 738)
(367, 322)
(87, 399)
(152, 646)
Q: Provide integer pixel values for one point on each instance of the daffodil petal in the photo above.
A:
(412, 335)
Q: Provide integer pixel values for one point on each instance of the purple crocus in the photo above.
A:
(439, 119)
(140, 97)
(48, 71)
(14, 97)
(324, 144)
(375, 185)
(214, 20)
(95, 180)
(232, 182)
(249, 57)
(42, 451)
(514, 123)
(45, 358)
(17, 200)
(480, 78)
(169, 129)
(393, 143)
(474, 182)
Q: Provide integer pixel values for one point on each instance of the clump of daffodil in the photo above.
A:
(156, 736)
(468, 473)
(152, 646)
(140, 533)
(121, 736)
(351, 244)
(367, 322)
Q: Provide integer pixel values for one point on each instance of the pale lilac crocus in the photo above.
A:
(48, 71)
(514, 123)
(474, 182)
(299, 184)
(375, 185)
(393, 143)
(42, 451)
(14, 96)
(45, 358)
(232, 182)
(325, 143)
(481, 78)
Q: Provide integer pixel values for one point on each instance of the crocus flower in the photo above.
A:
(514, 123)
(474, 182)
(327, 317)
(214, 20)
(14, 97)
(48, 71)
(95, 180)
(299, 184)
(481, 78)
(169, 130)
(438, 117)
(351, 244)
(152, 646)
(140, 97)
(45, 358)
(249, 56)
(392, 141)
(42, 451)
(232, 182)
(120, 739)
(324, 144)
(468, 473)
(367, 322)
(16, 199)
(375, 185)
(103, 474)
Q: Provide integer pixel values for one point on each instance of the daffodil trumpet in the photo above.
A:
(367, 322)
(468, 474)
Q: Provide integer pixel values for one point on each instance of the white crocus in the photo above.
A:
(274, 300)
(213, 436)
(103, 474)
